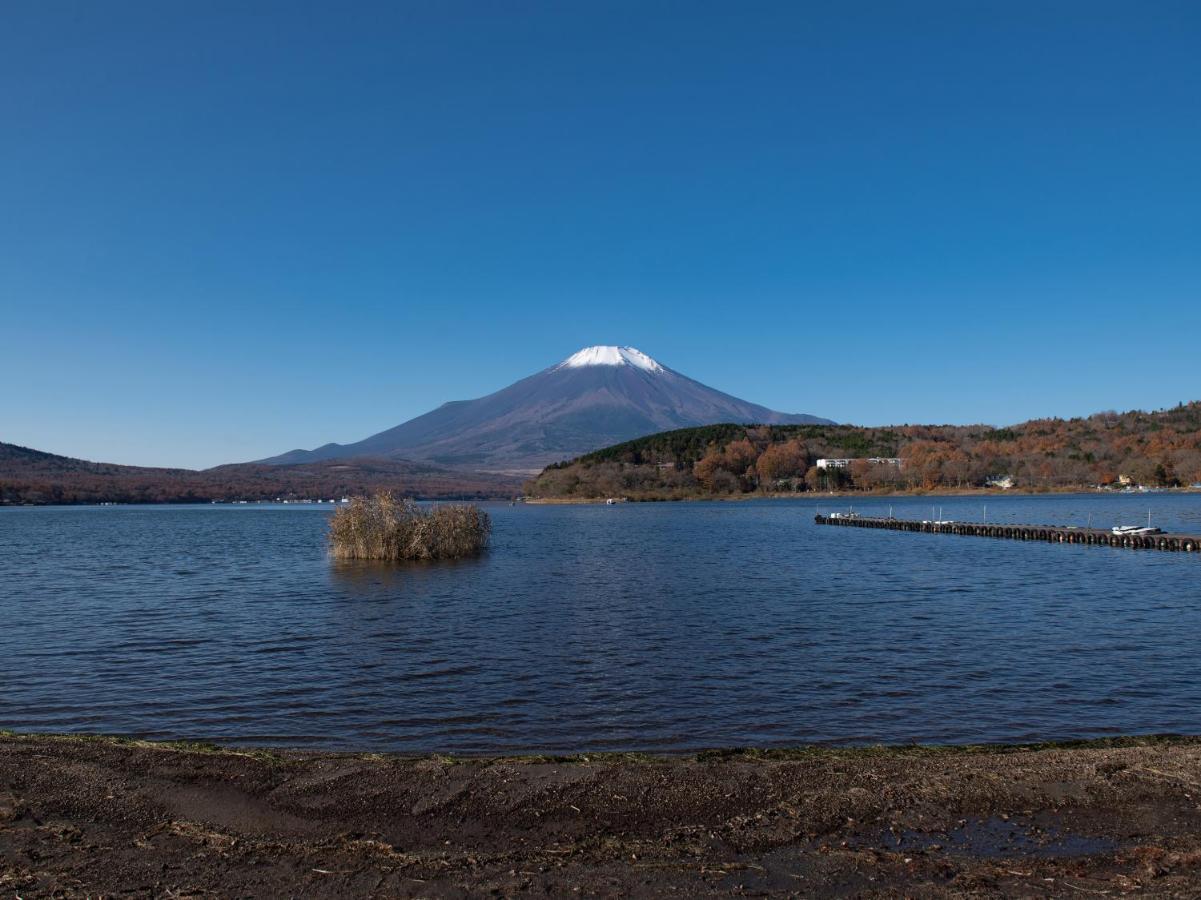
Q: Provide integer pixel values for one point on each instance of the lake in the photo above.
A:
(663, 627)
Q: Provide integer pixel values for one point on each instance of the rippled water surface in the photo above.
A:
(652, 626)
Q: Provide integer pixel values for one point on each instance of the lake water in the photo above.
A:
(639, 626)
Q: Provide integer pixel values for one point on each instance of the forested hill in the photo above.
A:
(1156, 449)
(34, 477)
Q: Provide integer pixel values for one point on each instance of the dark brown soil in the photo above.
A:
(100, 817)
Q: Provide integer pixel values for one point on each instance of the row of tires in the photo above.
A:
(1030, 533)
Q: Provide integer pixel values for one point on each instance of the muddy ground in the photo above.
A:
(101, 817)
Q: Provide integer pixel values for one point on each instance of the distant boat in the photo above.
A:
(1137, 529)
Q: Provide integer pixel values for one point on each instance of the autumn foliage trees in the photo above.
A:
(724, 469)
(746, 466)
(785, 460)
(34, 477)
(1156, 449)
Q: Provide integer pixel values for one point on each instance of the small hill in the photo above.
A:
(1156, 449)
(33, 476)
(594, 398)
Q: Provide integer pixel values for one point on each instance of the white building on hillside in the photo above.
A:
(844, 463)
(833, 463)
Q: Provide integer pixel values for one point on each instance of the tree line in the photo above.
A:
(1160, 449)
(34, 477)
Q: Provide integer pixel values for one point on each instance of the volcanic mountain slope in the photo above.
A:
(594, 398)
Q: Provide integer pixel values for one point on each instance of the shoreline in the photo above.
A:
(859, 495)
(86, 814)
(577, 501)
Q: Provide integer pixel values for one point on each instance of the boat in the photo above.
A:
(1132, 530)
(1136, 529)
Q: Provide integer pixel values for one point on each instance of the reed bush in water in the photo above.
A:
(383, 526)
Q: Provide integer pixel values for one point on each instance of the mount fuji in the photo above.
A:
(599, 396)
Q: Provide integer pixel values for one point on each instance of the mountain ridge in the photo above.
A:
(29, 476)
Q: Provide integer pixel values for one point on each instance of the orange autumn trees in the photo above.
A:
(723, 468)
(1156, 449)
(929, 464)
(777, 462)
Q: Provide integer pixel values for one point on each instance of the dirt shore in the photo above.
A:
(101, 817)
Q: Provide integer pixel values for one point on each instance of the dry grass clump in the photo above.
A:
(384, 527)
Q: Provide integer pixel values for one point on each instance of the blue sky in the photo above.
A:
(229, 229)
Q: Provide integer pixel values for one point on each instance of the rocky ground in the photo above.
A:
(101, 817)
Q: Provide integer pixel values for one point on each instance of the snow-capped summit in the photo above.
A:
(611, 356)
(599, 396)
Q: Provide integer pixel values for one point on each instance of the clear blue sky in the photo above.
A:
(229, 229)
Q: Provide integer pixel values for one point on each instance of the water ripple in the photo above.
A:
(662, 627)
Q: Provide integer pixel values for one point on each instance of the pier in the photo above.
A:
(1053, 534)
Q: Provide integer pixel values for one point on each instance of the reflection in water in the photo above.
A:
(374, 578)
(658, 626)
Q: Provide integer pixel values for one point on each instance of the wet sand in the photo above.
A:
(97, 816)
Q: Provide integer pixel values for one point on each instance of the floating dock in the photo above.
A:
(1054, 534)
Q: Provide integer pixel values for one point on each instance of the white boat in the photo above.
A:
(1132, 530)
(1136, 529)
